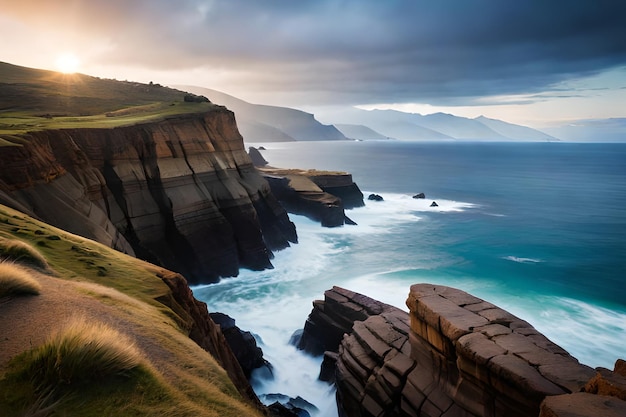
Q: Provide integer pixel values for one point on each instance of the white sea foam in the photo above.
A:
(522, 260)
(404, 203)
(274, 303)
(591, 333)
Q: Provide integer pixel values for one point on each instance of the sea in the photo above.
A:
(538, 229)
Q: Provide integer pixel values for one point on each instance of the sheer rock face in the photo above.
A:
(181, 192)
(453, 354)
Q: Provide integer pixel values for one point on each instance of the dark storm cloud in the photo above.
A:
(366, 51)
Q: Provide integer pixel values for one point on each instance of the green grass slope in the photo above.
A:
(33, 99)
(96, 340)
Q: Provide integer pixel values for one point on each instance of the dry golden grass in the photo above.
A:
(176, 378)
(21, 252)
(17, 280)
(83, 351)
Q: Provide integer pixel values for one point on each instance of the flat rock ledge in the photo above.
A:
(452, 355)
(322, 196)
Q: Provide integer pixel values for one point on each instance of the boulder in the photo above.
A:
(419, 195)
(256, 157)
(608, 383)
(285, 406)
(242, 343)
(434, 204)
(375, 197)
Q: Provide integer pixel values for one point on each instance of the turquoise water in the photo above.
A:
(538, 229)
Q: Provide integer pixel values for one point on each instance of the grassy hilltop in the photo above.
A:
(89, 331)
(33, 99)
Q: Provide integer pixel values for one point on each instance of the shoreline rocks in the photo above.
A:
(242, 343)
(320, 195)
(453, 354)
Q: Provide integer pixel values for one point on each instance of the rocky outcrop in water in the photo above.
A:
(453, 354)
(255, 156)
(320, 195)
(242, 343)
(180, 192)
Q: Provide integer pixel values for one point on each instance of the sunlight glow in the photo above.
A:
(68, 63)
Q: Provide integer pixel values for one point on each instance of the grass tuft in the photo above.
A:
(83, 351)
(18, 251)
(17, 280)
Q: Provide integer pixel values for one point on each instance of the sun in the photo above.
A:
(68, 63)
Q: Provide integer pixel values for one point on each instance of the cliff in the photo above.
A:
(453, 354)
(179, 192)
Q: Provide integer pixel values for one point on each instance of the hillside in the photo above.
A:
(148, 307)
(33, 99)
(513, 131)
(360, 132)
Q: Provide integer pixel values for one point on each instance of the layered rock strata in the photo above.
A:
(453, 354)
(180, 192)
(322, 196)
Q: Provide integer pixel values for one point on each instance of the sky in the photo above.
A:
(528, 61)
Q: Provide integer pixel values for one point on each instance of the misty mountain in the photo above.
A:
(388, 123)
(513, 131)
(438, 126)
(262, 123)
(593, 130)
(360, 132)
(459, 127)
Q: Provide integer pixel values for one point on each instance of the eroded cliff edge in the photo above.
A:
(180, 192)
(453, 354)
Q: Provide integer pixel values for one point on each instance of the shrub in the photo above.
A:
(22, 252)
(17, 280)
(83, 351)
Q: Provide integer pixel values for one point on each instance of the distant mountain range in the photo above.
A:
(438, 126)
(263, 123)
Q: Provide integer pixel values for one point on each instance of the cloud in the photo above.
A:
(349, 51)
